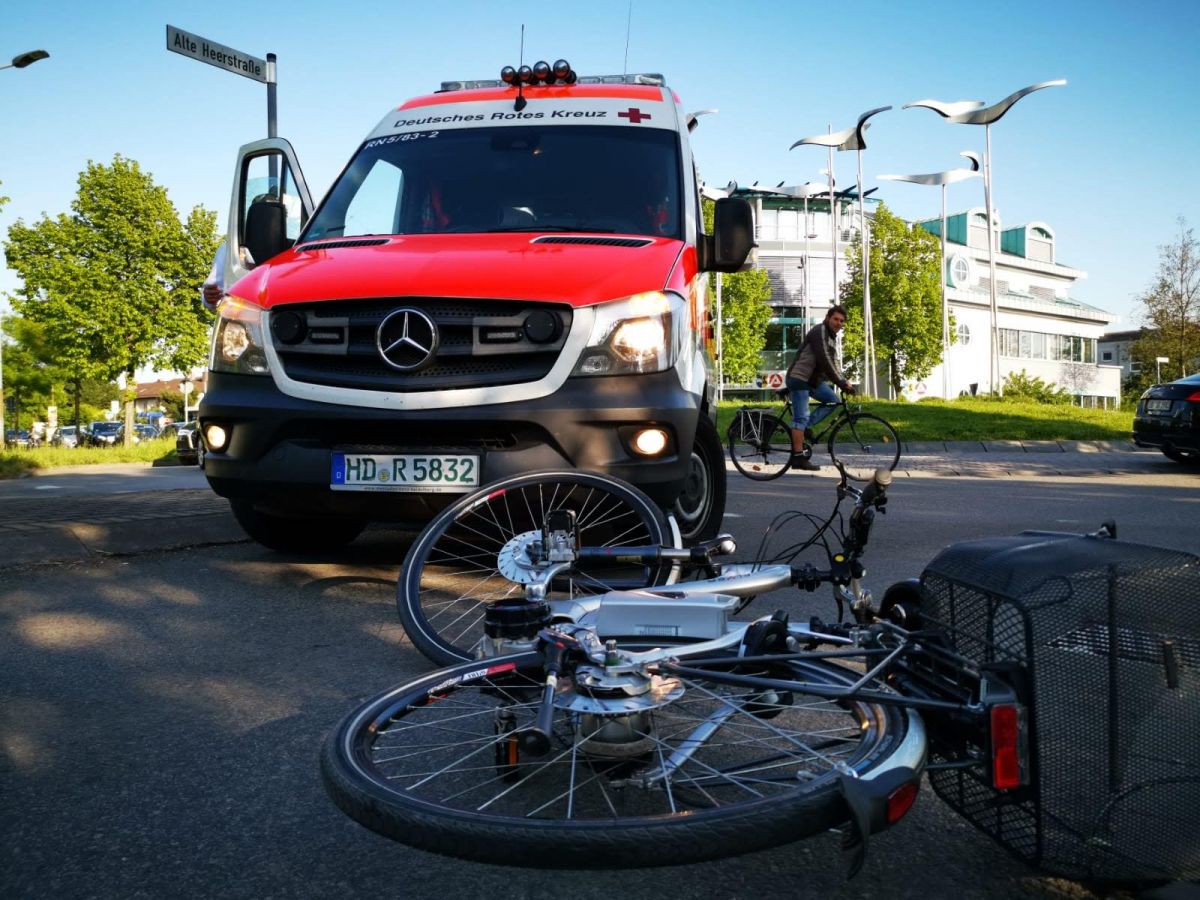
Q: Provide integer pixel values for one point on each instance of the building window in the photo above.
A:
(1037, 345)
(964, 333)
(1106, 356)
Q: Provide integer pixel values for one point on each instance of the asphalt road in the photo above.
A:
(161, 712)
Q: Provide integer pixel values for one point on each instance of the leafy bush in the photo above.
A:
(1021, 385)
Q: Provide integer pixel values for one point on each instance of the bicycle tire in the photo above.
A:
(451, 571)
(420, 764)
(862, 443)
(760, 444)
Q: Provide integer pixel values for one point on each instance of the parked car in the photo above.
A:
(104, 434)
(188, 447)
(1168, 417)
(20, 439)
(66, 436)
(141, 432)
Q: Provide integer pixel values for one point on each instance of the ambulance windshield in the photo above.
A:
(603, 179)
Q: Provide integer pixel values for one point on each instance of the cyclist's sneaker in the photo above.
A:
(802, 462)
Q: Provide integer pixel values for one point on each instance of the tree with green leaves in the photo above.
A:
(115, 283)
(1171, 311)
(745, 313)
(906, 300)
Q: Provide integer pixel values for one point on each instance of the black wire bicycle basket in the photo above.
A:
(1107, 634)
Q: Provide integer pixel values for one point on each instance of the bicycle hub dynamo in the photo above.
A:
(614, 709)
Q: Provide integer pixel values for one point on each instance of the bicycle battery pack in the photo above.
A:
(626, 614)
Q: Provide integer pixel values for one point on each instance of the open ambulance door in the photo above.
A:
(269, 205)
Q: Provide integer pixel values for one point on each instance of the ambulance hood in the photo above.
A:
(578, 269)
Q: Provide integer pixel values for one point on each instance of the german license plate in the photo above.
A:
(423, 472)
(1158, 405)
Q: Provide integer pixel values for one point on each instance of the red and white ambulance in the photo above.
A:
(505, 277)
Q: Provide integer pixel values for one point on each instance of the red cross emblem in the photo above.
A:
(634, 115)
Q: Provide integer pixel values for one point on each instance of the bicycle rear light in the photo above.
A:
(1010, 746)
(900, 801)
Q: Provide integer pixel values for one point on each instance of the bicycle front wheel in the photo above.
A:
(453, 571)
(689, 770)
(760, 444)
(862, 443)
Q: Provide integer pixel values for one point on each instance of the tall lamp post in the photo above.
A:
(942, 179)
(854, 139)
(969, 112)
(20, 61)
(804, 192)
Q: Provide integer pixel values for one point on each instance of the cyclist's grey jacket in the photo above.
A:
(817, 359)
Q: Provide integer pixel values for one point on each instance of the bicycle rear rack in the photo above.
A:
(1105, 634)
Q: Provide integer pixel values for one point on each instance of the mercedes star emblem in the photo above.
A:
(407, 340)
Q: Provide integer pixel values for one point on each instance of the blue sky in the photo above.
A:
(1110, 161)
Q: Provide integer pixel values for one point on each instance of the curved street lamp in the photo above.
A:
(973, 112)
(803, 192)
(853, 139)
(20, 61)
(28, 58)
(942, 179)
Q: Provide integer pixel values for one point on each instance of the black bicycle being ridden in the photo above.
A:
(760, 441)
(597, 711)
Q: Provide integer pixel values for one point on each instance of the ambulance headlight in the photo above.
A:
(634, 335)
(238, 344)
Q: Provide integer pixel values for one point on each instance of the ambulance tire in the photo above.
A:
(296, 535)
(701, 506)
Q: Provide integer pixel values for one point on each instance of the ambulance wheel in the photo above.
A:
(701, 506)
(296, 535)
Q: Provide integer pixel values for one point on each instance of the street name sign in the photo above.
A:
(206, 51)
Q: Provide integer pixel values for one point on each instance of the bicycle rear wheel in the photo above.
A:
(690, 770)
(862, 443)
(760, 444)
(453, 570)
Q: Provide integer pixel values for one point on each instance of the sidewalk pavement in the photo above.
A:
(63, 528)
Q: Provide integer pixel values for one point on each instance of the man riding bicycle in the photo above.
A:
(815, 362)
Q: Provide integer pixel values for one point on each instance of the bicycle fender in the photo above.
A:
(866, 803)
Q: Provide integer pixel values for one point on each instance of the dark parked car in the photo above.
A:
(104, 434)
(1168, 417)
(21, 440)
(141, 433)
(188, 447)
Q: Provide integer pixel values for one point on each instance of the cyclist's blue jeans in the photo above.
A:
(800, 393)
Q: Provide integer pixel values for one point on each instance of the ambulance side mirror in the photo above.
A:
(726, 249)
(266, 229)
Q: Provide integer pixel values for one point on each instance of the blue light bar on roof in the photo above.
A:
(650, 78)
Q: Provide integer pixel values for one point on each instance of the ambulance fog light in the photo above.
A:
(216, 438)
(597, 364)
(650, 441)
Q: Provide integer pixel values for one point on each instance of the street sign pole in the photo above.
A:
(261, 70)
(272, 130)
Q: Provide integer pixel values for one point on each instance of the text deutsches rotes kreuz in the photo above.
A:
(504, 117)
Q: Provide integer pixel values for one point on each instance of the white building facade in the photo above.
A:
(1042, 329)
